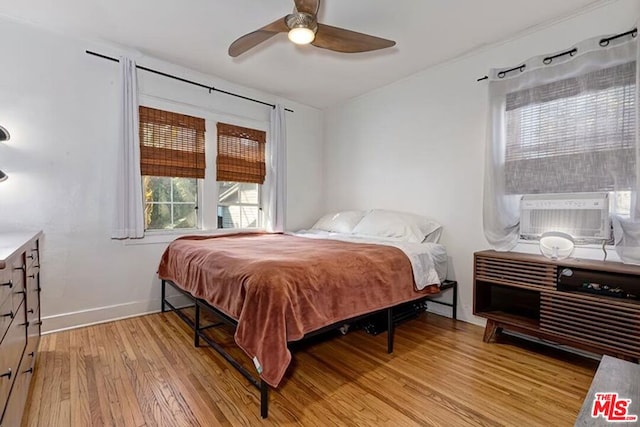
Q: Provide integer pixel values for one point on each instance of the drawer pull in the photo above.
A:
(32, 276)
(38, 323)
(22, 267)
(30, 256)
(31, 354)
(9, 314)
(9, 284)
(39, 290)
(6, 374)
(30, 311)
(28, 371)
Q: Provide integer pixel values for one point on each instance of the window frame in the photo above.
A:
(260, 221)
(207, 187)
(197, 207)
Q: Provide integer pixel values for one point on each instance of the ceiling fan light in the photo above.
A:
(301, 35)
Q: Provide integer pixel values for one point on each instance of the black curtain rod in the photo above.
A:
(603, 42)
(191, 82)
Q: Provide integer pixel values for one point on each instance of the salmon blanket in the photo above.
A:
(281, 287)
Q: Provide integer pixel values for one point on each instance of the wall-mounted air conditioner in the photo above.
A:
(585, 216)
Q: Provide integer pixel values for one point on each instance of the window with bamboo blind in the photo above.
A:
(240, 171)
(172, 159)
(171, 144)
(240, 154)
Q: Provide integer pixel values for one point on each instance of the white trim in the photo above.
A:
(93, 316)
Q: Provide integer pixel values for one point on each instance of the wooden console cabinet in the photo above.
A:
(19, 321)
(586, 304)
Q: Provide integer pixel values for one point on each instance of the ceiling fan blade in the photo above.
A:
(347, 41)
(253, 39)
(307, 6)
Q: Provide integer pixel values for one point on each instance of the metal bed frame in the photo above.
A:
(448, 284)
(199, 329)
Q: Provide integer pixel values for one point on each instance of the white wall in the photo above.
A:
(60, 106)
(418, 145)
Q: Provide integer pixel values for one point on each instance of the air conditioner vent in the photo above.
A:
(585, 216)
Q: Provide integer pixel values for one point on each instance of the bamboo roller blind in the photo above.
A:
(241, 155)
(171, 144)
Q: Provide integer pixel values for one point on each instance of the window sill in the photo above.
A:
(166, 236)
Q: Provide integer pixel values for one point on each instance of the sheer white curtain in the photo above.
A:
(276, 179)
(627, 231)
(560, 125)
(129, 213)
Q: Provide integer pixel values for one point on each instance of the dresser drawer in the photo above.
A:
(15, 406)
(6, 284)
(32, 290)
(7, 315)
(32, 254)
(33, 278)
(11, 351)
(613, 324)
(33, 334)
(17, 291)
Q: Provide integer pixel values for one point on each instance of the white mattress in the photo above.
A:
(428, 260)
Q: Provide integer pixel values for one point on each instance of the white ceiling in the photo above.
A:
(197, 33)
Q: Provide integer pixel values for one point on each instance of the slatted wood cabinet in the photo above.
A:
(19, 320)
(586, 304)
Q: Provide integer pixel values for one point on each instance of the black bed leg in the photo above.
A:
(162, 296)
(390, 330)
(264, 399)
(196, 329)
(455, 301)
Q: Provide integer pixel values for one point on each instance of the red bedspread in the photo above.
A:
(280, 287)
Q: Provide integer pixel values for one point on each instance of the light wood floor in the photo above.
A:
(145, 371)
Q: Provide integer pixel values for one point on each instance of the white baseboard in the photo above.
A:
(93, 316)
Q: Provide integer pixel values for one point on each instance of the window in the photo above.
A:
(238, 205)
(172, 160)
(574, 135)
(170, 202)
(561, 123)
(241, 172)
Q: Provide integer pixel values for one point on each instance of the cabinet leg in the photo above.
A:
(490, 331)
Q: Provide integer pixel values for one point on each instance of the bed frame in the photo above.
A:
(199, 333)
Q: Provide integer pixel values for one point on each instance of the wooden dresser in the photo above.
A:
(586, 304)
(19, 320)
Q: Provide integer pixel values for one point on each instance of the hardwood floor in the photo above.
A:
(145, 371)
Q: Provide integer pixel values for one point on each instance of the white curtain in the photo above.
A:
(568, 153)
(627, 231)
(129, 214)
(276, 180)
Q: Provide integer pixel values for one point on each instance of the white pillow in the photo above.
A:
(398, 225)
(339, 222)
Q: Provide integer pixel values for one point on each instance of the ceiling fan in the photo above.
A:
(303, 28)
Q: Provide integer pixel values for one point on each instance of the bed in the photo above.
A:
(277, 288)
